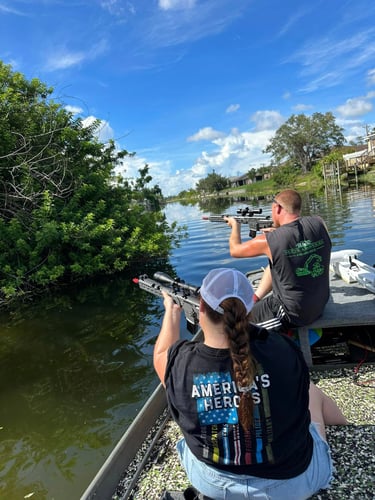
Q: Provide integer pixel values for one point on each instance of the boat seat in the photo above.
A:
(349, 304)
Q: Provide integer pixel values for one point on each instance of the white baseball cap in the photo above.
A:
(223, 283)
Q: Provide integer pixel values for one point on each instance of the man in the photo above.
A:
(298, 250)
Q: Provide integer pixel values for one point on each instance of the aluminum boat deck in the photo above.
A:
(348, 305)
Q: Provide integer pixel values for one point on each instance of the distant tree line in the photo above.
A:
(64, 214)
(301, 145)
(213, 182)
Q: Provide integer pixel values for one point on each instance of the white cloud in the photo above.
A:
(267, 120)
(64, 60)
(294, 19)
(130, 166)
(176, 4)
(163, 174)
(179, 22)
(326, 80)
(233, 154)
(232, 108)
(10, 10)
(205, 134)
(302, 107)
(12, 62)
(371, 76)
(237, 152)
(104, 132)
(330, 60)
(353, 128)
(176, 181)
(61, 58)
(73, 109)
(355, 107)
(117, 7)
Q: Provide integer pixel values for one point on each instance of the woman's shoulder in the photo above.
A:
(182, 345)
(184, 348)
(195, 353)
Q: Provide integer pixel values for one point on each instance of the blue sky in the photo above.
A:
(196, 86)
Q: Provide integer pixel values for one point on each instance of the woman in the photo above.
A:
(252, 422)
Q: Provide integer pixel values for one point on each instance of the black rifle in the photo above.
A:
(245, 216)
(183, 294)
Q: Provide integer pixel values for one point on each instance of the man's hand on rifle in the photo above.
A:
(268, 229)
(231, 221)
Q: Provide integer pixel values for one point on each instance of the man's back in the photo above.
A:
(300, 267)
(298, 249)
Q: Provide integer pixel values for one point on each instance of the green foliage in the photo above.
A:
(184, 195)
(334, 157)
(302, 140)
(64, 215)
(260, 187)
(212, 183)
(257, 172)
(285, 176)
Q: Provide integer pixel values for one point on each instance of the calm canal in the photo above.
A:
(75, 367)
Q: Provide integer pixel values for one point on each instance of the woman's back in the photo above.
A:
(243, 401)
(204, 400)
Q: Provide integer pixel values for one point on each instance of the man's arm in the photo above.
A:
(169, 334)
(251, 248)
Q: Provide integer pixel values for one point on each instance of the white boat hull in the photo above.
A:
(346, 265)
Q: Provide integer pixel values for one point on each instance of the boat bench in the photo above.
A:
(349, 304)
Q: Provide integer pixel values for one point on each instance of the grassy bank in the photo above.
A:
(309, 182)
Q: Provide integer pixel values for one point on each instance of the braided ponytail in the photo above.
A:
(237, 328)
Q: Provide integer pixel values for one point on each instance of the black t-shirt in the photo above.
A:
(203, 400)
(301, 252)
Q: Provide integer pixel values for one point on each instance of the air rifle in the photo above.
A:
(183, 294)
(245, 216)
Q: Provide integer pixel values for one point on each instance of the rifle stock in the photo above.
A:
(183, 294)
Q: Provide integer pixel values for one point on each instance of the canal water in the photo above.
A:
(75, 367)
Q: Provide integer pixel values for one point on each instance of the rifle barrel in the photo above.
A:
(243, 219)
(185, 295)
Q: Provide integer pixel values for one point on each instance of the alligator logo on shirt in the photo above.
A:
(313, 267)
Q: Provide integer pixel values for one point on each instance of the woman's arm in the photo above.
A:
(169, 334)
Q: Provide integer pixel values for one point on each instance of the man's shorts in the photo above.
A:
(269, 313)
(220, 485)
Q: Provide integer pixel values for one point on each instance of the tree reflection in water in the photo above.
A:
(75, 368)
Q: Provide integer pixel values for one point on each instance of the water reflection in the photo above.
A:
(74, 369)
